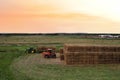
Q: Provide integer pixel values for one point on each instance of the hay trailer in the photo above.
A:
(91, 54)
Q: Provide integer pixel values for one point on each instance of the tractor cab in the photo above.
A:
(50, 50)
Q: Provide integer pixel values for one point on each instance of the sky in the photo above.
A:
(56, 16)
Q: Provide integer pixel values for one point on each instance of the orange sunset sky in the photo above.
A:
(54, 16)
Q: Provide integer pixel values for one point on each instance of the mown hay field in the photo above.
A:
(16, 65)
(34, 67)
(60, 39)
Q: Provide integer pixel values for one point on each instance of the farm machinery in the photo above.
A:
(31, 50)
(47, 52)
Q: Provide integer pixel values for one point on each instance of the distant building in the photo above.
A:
(109, 36)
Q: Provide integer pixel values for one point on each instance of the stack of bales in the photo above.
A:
(79, 54)
(61, 54)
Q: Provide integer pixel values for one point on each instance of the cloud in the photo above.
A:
(26, 7)
(70, 22)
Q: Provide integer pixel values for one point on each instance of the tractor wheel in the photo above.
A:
(54, 56)
(46, 56)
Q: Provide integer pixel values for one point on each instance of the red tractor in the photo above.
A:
(49, 53)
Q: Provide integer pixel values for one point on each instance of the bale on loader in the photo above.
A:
(43, 48)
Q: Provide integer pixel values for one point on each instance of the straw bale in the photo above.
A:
(61, 54)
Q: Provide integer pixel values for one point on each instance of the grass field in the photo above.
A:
(7, 55)
(16, 65)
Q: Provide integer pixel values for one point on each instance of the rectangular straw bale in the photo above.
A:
(61, 54)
